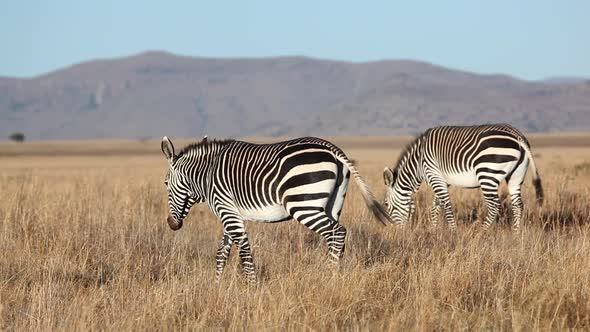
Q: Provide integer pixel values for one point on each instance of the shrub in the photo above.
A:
(17, 137)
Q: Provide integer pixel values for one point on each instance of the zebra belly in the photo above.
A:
(463, 180)
(266, 214)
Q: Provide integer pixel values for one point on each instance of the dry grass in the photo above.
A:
(84, 245)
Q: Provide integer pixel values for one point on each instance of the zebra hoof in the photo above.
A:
(252, 282)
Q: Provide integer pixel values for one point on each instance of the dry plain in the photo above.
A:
(84, 245)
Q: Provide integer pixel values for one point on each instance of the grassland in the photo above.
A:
(84, 245)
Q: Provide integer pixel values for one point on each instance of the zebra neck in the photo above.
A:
(409, 168)
(198, 160)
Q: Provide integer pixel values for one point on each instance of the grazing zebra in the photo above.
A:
(305, 179)
(469, 157)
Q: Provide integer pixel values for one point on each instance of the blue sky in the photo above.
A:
(528, 39)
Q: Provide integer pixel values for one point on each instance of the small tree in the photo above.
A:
(17, 137)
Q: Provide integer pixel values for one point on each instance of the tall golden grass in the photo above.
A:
(84, 245)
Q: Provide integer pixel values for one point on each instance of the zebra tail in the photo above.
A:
(536, 177)
(376, 208)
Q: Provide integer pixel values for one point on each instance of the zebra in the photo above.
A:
(463, 156)
(304, 178)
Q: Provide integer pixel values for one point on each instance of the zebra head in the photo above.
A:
(397, 205)
(182, 194)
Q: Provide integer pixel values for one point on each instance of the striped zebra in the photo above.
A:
(469, 157)
(305, 179)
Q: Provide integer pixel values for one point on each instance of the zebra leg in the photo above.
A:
(233, 225)
(515, 181)
(332, 231)
(222, 254)
(490, 196)
(516, 203)
(441, 193)
(245, 253)
(514, 185)
(435, 211)
(412, 207)
(335, 240)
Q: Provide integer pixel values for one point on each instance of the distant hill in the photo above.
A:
(566, 80)
(157, 93)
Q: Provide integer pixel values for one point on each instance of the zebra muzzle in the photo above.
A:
(174, 225)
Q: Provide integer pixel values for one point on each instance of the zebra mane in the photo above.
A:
(408, 149)
(196, 146)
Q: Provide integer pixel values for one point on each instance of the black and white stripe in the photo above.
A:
(469, 157)
(305, 179)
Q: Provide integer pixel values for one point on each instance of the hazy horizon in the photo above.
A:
(549, 79)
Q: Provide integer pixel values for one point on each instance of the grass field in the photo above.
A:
(84, 245)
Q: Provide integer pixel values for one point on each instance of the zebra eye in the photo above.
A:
(166, 182)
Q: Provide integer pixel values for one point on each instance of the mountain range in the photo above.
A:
(157, 93)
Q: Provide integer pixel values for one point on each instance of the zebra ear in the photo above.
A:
(388, 177)
(204, 141)
(168, 149)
